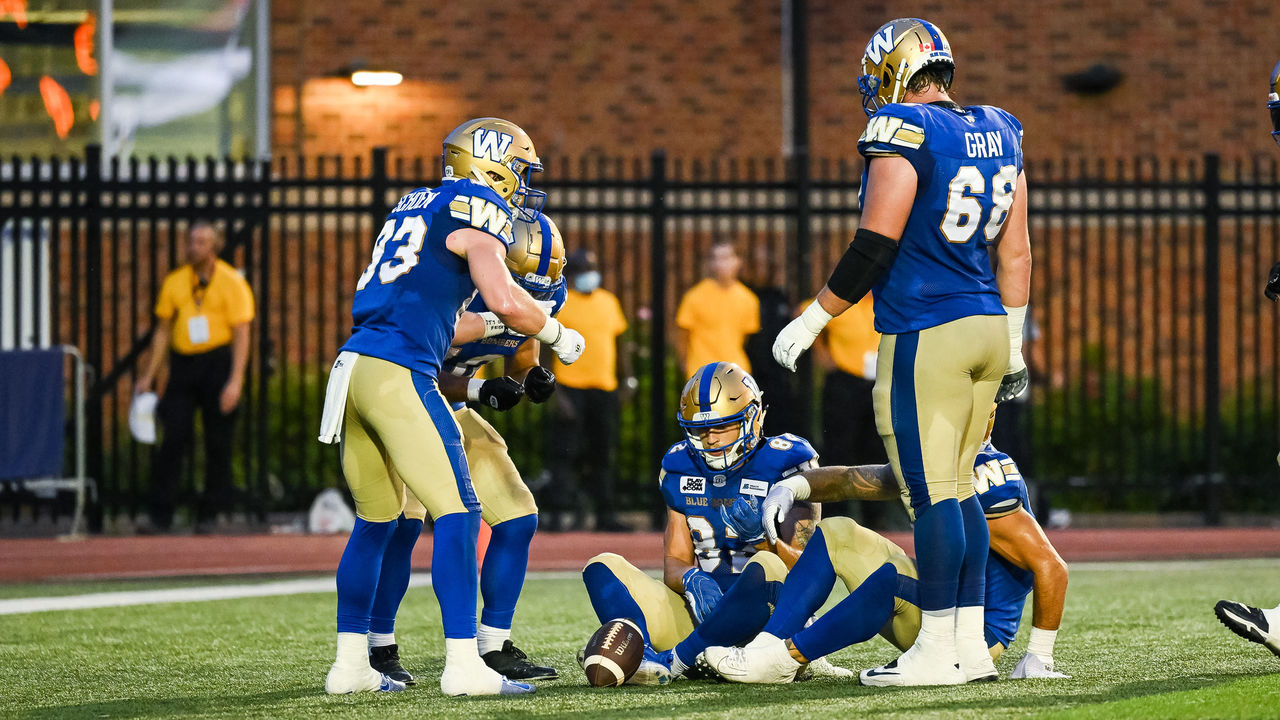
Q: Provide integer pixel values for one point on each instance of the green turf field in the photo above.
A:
(1140, 639)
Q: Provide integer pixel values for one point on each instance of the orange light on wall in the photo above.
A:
(16, 8)
(5, 76)
(83, 42)
(58, 104)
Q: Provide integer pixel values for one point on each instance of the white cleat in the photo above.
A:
(344, 680)
(655, 668)
(914, 667)
(765, 660)
(822, 669)
(1251, 623)
(976, 662)
(478, 679)
(1031, 666)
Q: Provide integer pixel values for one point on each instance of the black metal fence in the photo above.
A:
(1154, 354)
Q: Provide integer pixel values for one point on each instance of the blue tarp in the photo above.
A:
(31, 414)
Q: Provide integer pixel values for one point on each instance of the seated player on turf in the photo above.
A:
(882, 580)
(536, 259)
(719, 579)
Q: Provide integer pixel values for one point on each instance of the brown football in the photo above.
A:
(800, 512)
(613, 653)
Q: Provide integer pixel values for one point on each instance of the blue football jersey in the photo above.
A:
(1001, 491)
(690, 487)
(967, 163)
(409, 299)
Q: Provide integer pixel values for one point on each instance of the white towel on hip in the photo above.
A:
(335, 397)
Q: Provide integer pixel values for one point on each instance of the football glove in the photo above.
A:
(539, 384)
(799, 335)
(743, 516)
(1273, 283)
(1013, 385)
(702, 592)
(567, 343)
(782, 496)
(501, 393)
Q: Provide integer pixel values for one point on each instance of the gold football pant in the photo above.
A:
(665, 614)
(933, 395)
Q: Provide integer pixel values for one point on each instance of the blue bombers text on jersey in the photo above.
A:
(691, 488)
(1001, 491)
(967, 162)
(409, 299)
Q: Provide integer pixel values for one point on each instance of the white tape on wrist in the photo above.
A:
(815, 318)
(551, 332)
(1017, 318)
(473, 389)
(798, 486)
(492, 324)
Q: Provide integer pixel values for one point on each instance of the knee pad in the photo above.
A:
(774, 569)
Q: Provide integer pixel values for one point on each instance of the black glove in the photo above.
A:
(1012, 385)
(500, 393)
(1273, 283)
(539, 384)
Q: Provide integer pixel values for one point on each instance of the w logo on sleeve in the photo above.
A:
(490, 144)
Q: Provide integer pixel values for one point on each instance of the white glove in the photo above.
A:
(799, 335)
(547, 306)
(782, 496)
(567, 343)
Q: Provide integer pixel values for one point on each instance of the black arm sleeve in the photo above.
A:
(866, 259)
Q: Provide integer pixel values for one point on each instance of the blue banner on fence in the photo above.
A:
(31, 414)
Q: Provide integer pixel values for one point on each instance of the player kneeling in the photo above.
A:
(882, 580)
(720, 579)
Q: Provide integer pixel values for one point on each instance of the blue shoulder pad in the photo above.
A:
(789, 454)
(896, 129)
(477, 206)
(998, 482)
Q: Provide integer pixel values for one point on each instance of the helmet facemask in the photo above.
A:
(723, 443)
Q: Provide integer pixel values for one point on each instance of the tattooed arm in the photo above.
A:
(851, 482)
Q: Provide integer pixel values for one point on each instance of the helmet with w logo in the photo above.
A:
(498, 154)
(722, 414)
(536, 257)
(897, 51)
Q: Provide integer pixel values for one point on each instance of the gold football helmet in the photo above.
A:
(721, 398)
(498, 154)
(1273, 103)
(536, 257)
(898, 50)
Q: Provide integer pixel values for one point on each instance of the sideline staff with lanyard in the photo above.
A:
(202, 327)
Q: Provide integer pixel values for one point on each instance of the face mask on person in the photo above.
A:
(587, 281)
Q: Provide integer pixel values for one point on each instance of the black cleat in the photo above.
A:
(386, 660)
(1250, 623)
(511, 662)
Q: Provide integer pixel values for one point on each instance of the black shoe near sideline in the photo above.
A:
(514, 664)
(386, 660)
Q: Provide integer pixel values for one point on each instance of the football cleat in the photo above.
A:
(1031, 666)
(764, 660)
(1251, 623)
(512, 663)
(653, 670)
(478, 679)
(914, 667)
(386, 660)
(976, 663)
(822, 669)
(344, 680)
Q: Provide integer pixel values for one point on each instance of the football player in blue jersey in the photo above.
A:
(536, 260)
(942, 185)
(719, 579)
(883, 584)
(437, 249)
(1260, 625)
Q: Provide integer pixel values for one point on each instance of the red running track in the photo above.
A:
(101, 558)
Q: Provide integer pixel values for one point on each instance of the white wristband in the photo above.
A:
(493, 325)
(551, 332)
(815, 318)
(1017, 318)
(473, 389)
(798, 486)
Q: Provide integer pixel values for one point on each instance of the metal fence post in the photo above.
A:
(804, 261)
(379, 183)
(265, 349)
(658, 420)
(93, 309)
(1212, 350)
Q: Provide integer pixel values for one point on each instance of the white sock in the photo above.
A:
(971, 625)
(677, 667)
(1041, 644)
(490, 638)
(938, 632)
(461, 651)
(381, 639)
(353, 650)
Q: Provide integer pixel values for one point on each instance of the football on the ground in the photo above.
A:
(613, 653)
(803, 514)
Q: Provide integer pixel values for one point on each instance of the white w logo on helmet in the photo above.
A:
(490, 144)
(881, 43)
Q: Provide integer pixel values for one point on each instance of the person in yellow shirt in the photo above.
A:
(202, 331)
(717, 315)
(847, 351)
(582, 446)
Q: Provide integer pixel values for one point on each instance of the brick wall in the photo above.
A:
(623, 78)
